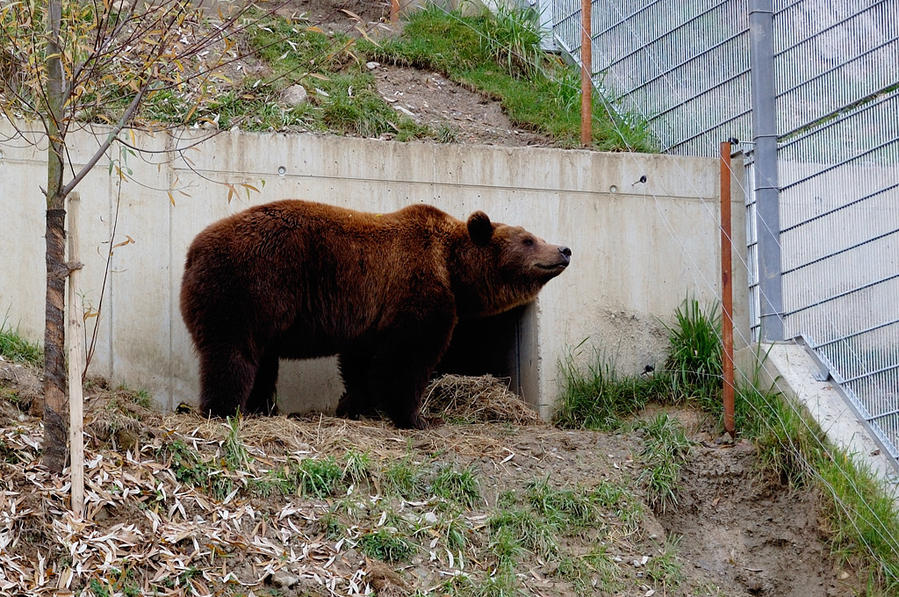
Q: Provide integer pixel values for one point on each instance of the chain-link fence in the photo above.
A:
(687, 69)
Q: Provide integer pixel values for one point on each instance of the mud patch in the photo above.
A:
(748, 532)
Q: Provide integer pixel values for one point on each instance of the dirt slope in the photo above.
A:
(157, 519)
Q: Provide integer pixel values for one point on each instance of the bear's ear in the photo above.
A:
(480, 229)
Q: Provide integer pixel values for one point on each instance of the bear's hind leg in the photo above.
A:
(261, 400)
(226, 378)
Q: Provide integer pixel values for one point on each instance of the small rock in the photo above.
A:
(284, 580)
(725, 440)
(429, 518)
(372, 65)
(294, 95)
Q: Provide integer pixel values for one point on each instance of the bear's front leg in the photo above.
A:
(402, 366)
(261, 400)
(357, 399)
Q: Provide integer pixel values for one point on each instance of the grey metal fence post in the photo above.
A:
(764, 136)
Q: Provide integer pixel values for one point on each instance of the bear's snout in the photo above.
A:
(566, 254)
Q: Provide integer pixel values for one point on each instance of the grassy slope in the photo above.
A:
(864, 523)
(499, 56)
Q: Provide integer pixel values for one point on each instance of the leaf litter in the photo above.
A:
(158, 522)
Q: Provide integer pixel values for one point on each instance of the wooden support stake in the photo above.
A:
(586, 75)
(394, 11)
(76, 365)
(727, 321)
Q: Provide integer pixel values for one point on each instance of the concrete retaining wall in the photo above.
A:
(638, 248)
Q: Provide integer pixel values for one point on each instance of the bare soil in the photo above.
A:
(735, 532)
(341, 15)
(465, 116)
(457, 113)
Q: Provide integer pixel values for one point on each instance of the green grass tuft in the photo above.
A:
(19, 350)
(666, 570)
(596, 397)
(405, 479)
(665, 451)
(591, 572)
(236, 456)
(319, 477)
(566, 509)
(694, 354)
(357, 467)
(386, 546)
(457, 486)
(514, 526)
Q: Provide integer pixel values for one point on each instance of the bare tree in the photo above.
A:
(66, 64)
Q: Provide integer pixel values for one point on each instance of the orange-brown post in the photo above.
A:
(394, 11)
(727, 322)
(586, 73)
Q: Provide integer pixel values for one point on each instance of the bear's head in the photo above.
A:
(513, 264)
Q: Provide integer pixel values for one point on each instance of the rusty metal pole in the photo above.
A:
(586, 75)
(727, 322)
(394, 11)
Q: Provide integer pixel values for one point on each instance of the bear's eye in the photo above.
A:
(528, 242)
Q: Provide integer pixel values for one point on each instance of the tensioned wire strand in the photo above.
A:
(892, 541)
(880, 528)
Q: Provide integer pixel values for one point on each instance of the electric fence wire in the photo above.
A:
(880, 528)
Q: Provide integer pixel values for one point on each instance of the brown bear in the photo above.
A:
(299, 280)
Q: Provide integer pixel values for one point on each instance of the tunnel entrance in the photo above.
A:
(496, 345)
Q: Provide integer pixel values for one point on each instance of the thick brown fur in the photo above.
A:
(298, 280)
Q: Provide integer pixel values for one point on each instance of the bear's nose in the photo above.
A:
(566, 252)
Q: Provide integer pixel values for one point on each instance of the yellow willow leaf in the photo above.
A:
(171, 199)
(366, 36)
(178, 64)
(320, 76)
(315, 29)
(90, 313)
(351, 14)
(231, 191)
(191, 111)
(128, 241)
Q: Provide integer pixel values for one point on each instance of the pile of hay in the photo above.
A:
(483, 399)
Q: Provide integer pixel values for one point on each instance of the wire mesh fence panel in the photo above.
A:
(840, 236)
(684, 68)
(652, 59)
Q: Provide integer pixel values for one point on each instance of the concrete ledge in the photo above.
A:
(791, 370)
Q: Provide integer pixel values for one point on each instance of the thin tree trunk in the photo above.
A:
(55, 419)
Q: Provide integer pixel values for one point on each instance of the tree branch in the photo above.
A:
(126, 117)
